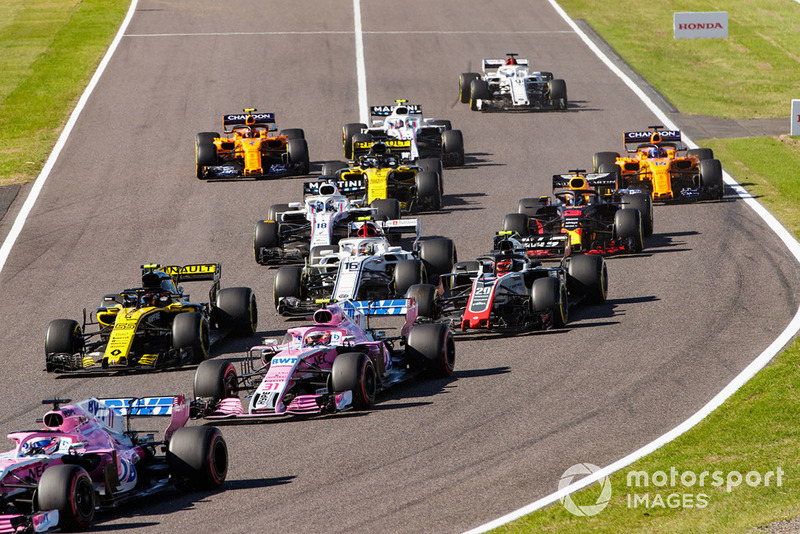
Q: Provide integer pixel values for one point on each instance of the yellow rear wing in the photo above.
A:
(194, 272)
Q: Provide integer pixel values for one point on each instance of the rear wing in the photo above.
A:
(600, 181)
(193, 273)
(406, 307)
(490, 66)
(393, 145)
(175, 406)
(643, 137)
(352, 183)
(240, 119)
(385, 111)
(400, 226)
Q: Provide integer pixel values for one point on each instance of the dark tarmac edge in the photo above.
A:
(7, 195)
(694, 126)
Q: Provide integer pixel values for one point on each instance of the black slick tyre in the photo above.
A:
(406, 274)
(517, 223)
(275, 210)
(465, 86)
(588, 278)
(293, 133)
(644, 203)
(425, 297)
(550, 295)
(629, 230)
(348, 131)
(354, 371)
(438, 255)
(68, 489)
(198, 458)
(237, 309)
(265, 235)
(429, 192)
(701, 153)
(298, 155)
(479, 90)
(558, 94)
(214, 379)
(453, 143)
(329, 168)
(386, 209)
(600, 158)
(190, 332)
(431, 346)
(288, 283)
(711, 178)
(63, 336)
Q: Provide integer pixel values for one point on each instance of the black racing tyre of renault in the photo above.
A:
(63, 336)
(237, 309)
(190, 331)
(429, 191)
(348, 131)
(197, 457)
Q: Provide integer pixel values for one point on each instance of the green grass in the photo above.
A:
(48, 52)
(752, 74)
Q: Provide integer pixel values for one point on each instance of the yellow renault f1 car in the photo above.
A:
(249, 148)
(153, 326)
(380, 175)
(659, 164)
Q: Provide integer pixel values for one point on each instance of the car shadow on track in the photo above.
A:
(667, 242)
(453, 203)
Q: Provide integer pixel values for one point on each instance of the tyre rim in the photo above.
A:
(83, 500)
(369, 382)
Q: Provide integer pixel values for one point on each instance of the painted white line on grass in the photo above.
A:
(361, 68)
(22, 216)
(755, 366)
(348, 32)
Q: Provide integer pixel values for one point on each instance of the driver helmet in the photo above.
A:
(368, 229)
(317, 338)
(657, 152)
(149, 299)
(43, 446)
(330, 205)
(379, 149)
(504, 266)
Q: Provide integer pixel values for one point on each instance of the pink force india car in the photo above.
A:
(87, 459)
(338, 363)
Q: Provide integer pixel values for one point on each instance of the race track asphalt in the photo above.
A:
(712, 289)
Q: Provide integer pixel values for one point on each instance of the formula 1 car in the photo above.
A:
(248, 148)
(663, 167)
(509, 85)
(407, 135)
(586, 215)
(153, 326)
(292, 231)
(366, 267)
(336, 364)
(87, 459)
(507, 290)
(380, 175)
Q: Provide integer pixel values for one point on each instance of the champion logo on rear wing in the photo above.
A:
(241, 118)
(644, 136)
(385, 111)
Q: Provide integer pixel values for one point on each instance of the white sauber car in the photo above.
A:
(365, 267)
(407, 134)
(509, 85)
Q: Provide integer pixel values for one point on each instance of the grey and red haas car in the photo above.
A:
(586, 214)
(506, 290)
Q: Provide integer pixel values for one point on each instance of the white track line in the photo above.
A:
(348, 32)
(361, 68)
(22, 216)
(755, 366)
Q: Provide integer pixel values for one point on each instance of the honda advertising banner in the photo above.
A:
(689, 25)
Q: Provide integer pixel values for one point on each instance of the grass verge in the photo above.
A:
(48, 52)
(752, 74)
